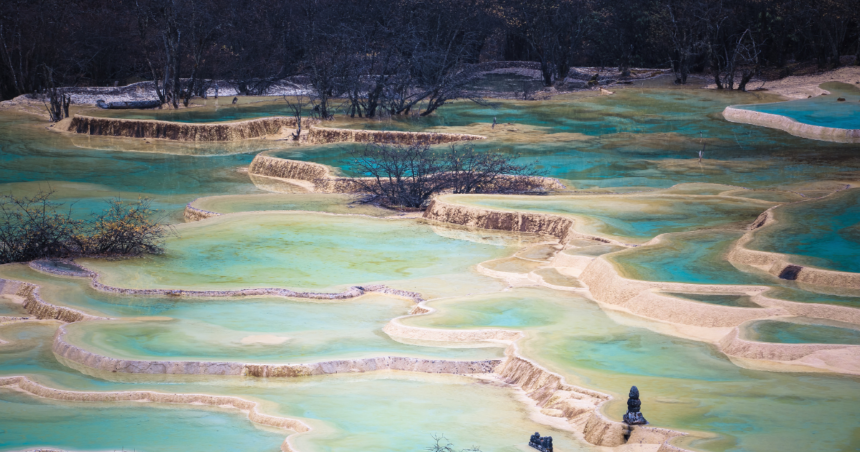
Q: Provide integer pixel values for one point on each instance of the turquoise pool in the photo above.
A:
(824, 111)
(824, 233)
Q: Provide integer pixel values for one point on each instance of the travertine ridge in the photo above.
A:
(352, 292)
(314, 177)
(780, 265)
(26, 385)
(841, 358)
(39, 308)
(791, 126)
(581, 407)
(523, 222)
(179, 131)
(323, 135)
(64, 349)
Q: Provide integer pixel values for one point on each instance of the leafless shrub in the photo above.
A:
(441, 444)
(400, 176)
(36, 227)
(296, 108)
(408, 176)
(469, 171)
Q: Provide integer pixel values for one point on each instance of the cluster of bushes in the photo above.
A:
(37, 227)
(409, 176)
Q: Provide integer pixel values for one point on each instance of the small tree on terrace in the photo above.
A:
(408, 176)
(469, 171)
(35, 227)
(125, 228)
(404, 176)
(296, 108)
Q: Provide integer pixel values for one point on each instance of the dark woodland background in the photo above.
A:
(390, 45)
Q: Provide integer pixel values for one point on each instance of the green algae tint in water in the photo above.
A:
(374, 412)
(90, 175)
(29, 422)
(823, 233)
(315, 202)
(640, 137)
(684, 384)
(638, 218)
(303, 251)
(697, 258)
(262, 330)
(392, 413)
(801, 331)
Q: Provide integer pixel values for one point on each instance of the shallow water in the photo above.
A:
(802, 332)
(738, 301)
(825, 111)
(399, 410)
(637, 140)
(823, 233)
(696, 258)
(314, 202)
(634, 138)
(637, 218)
(684, 384)
(262, 331)
(222, 112)
(297, 251)
(30, 422)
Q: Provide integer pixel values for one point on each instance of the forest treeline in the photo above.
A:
(390, 54)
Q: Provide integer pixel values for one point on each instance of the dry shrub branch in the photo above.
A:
(409, 176)
(37, 227)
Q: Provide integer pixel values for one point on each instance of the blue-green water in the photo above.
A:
(637, 139)
(823, 233)
(802, 332)
(825, 111)
(635, 217)
(375, 412)
(696, 258)
(739, 301)
(29, 422)
(297, 251)
(684, 384)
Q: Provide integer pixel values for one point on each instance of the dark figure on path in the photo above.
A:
(235, 99)
(634, 416)
(541, 443)
(494, 123)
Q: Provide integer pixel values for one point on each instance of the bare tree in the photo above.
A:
(399, 176)
(58, 101)
(408, 176)
(158, 29)
(37, 227)
(296, 108)
(554, 30)
(678, 23)
(202, 27)
(469, 171)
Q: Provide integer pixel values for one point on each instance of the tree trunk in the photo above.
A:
(546, 71)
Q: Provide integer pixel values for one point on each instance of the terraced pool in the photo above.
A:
(629, 163)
